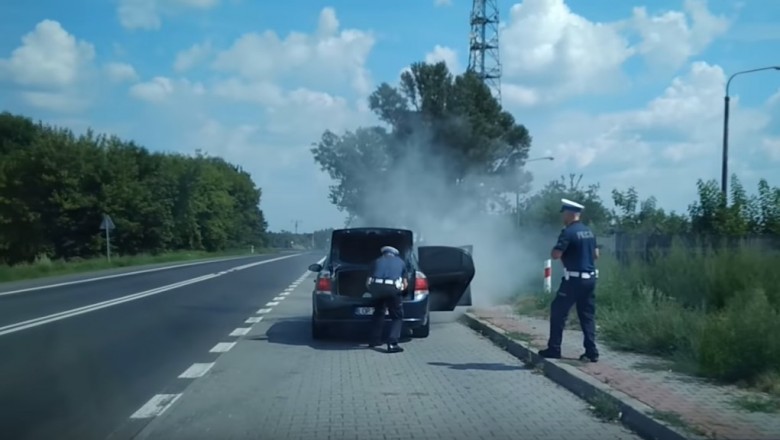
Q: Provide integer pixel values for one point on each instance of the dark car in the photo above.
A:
(439, 279)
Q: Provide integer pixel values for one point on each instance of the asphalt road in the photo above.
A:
(73, 370)
(277, 383)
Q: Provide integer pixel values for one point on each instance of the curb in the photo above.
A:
(633, 413)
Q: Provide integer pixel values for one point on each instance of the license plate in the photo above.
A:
(366, 311)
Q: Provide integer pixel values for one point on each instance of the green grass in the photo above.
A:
(44, 267)
(713, 314)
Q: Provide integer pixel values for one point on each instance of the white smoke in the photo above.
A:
(416, 194)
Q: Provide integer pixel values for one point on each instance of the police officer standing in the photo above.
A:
(577, 250)
(386, 283)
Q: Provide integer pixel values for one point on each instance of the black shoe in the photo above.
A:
(549, 354)
(373, 344)
(394, 348)
(589, 357)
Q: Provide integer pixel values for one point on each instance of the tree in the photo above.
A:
(451, 124)
(631, 215)
(542, 210)
(55, 187)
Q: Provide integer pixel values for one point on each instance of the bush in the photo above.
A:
(718, 312)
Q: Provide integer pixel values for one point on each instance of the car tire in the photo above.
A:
(422, 331)
(317, 330)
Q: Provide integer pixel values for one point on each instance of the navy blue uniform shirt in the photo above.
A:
(388, 267)
(578, 244)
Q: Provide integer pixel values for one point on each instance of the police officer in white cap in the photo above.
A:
(577, 250)
(386, 283)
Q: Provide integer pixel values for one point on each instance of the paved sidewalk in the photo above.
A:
(278, 383)
(691, 405)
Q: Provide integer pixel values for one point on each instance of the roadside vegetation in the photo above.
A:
(55, 187)
(45, 267)
(702, 290)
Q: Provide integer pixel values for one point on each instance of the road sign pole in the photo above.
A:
(108, 245)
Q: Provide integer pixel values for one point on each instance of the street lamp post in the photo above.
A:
(726, 99)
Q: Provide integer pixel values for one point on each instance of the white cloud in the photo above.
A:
(189, 58)
(161, 88)
(329, 55)
(442, 2)
(49, 57)
(771, 145)
(121, 72)
(146, 14)
(446, 54)
(668, 40)
(551, 53)
(50, 68)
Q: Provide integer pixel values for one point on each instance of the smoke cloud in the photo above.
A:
(417, 193)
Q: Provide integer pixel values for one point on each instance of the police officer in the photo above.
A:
(386, 283)
(576, 248)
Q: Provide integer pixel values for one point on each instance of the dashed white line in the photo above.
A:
(284, 294)
(222, 347)
(155, 406)
(272, 303)
(253, 320)
(278, 298)
(240, 331)
(263, 311)
(196, 370)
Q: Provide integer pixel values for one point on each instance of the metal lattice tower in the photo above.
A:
(484, 58)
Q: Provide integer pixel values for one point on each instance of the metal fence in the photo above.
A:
(645, 247)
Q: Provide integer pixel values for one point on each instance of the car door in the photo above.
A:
(449, 271)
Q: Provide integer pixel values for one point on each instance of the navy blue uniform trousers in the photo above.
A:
(386, 296)
(582, 294)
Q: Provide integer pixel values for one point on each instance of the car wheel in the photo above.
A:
(423, 331)
(317, 330)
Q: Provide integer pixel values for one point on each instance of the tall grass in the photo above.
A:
(717, 312)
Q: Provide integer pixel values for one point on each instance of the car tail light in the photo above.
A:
(420, 285)
(323, 285)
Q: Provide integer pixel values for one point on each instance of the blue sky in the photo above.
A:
(626, 96)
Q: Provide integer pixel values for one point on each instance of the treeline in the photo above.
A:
(56, 186)
(711, 215)
(284, 239)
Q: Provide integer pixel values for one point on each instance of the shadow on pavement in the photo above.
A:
(297, 331)
(478, 366)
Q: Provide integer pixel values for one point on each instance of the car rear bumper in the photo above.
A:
(336, 309)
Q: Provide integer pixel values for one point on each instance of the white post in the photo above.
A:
(108, 245)
(547, 276)
(252, 249)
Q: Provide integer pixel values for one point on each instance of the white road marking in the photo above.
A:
(278, 298)
(36, 322)
(155, 406)
(222, 347)
(253, 320)
(272, 303)
(284, 294)
(289, 289)
(240, 331)
(119, 275)
(263, 311)
(196, 370)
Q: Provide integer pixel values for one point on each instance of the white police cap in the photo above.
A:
(568, 205)
(390, 249)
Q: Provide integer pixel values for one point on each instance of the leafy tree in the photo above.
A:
(55, 186)
(453, 123)
(543, 208)
(631, 215)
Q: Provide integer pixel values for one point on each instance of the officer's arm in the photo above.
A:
(561, 245)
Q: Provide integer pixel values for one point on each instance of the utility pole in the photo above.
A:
(484, 59)
(296, 223)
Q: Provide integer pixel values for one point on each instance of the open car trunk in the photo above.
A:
(361, 246)
(351, 282)
(355, 249)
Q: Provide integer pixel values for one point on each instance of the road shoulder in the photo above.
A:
(639, 390)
